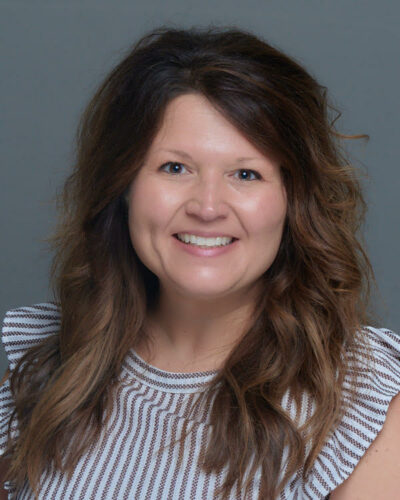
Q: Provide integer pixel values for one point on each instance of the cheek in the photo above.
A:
(149, 208)
(266, 215)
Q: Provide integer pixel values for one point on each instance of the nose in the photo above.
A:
(207, 199)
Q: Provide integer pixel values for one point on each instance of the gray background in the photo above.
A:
(54, 53)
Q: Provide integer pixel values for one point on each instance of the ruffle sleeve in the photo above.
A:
(23, 328)
(377, 384)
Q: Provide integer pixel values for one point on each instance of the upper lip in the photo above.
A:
(206, 234)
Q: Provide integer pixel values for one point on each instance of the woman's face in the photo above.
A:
(202, 177)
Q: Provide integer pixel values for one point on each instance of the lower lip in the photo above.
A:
(205, 252)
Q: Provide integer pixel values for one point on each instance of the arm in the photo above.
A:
(377, 475)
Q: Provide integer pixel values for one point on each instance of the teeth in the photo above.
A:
(205, 242)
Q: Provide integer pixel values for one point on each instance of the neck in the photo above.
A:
(190, 331)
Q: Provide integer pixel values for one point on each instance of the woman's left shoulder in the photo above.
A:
(376, 474)
(361, 457)
(383, 341)
(377, 358)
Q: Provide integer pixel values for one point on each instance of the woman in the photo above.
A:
(208, 337)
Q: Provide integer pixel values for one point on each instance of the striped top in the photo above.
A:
(150, 408)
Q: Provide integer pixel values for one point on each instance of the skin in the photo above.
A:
(205, 302)
(377, 475)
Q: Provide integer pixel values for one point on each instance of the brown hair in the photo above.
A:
(315, 298)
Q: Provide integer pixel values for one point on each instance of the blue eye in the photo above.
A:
(169, 163)
(176, 171)
(256, 174)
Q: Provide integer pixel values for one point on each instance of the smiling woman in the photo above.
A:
(170, 214)
(210, 335)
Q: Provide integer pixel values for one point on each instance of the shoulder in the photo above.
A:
(22, 328)
(371, 422)
(367, 441)
(25, 327)
(377, 475)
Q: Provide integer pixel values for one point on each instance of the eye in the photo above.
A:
(174, 165)
(176, 170)
(247, 176)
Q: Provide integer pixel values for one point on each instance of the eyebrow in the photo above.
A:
(183, 154)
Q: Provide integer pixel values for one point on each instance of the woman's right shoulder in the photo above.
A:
(26, 327)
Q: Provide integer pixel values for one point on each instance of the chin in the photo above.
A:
(204, 293)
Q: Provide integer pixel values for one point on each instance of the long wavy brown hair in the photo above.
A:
(315, 297)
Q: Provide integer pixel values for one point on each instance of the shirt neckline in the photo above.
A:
(134, 367)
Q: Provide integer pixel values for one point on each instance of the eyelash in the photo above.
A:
(257, 175)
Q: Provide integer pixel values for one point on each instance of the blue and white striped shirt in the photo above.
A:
(150, 409)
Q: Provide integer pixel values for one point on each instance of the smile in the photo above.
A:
(219, 241)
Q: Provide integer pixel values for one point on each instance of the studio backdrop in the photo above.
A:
(54, 53)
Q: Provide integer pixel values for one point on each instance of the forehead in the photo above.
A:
(191, 122)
